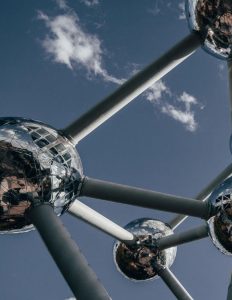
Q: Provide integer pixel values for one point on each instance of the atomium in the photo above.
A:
(41, 177)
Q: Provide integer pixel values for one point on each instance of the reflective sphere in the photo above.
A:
(140, 261)
(213, 20)
(36, 164)
(220, 226)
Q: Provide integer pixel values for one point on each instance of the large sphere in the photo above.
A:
(213, 20)
(220, 225)
(36, 164)
(139, 261)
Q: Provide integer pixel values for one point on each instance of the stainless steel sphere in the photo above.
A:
(213, 20)
(220, 225)
(139, 262)
(36, 164)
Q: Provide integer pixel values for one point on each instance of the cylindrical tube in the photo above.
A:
(203, 195)
(92, 217)
(132, 88)
(72, 264)
(139, 197)
(183, 237)
(173, 284)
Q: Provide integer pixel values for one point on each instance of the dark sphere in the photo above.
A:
(36, 164)
(220, 225)
(139, 261)
(213, 20)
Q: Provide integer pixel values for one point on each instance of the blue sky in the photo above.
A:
(60, 58)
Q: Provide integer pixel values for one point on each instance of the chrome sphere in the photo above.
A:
(220, 225)
(139, 261)
(36, 164)
(213, 20)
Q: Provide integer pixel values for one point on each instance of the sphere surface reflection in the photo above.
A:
(36, 164)
(220, 226)
(140, 261)
(213, 20)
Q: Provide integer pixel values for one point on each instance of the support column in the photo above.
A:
(144, 198)
(173, 284)
(92, 217)
(132, 88)
(183, 237)
(66, 254)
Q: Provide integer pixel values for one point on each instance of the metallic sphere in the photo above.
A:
(220, 226)
(213, 20)
(37, 164)
(140, 261)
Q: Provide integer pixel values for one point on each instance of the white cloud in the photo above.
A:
(62, 4)
(157, 91)
(161, 7)
(90, 2)
(67, 43)
(188, 100)
(72, 298)
(161, 95)
(181, 6)
(185, 117)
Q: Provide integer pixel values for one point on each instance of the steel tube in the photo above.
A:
(132, 88)
(229, 64)
(72, 264)
(144, 198)
(204, 194)
(174, 285)
(90, 216)
(183, 237)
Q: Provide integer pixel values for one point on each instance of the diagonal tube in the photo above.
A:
(71, 262)
(139, 197)
(132, 88)
(183, 237)
(229, 64)
(204, 194)
(87, 214)
(173, 284)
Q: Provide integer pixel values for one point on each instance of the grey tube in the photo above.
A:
(183, 237)
(132, 88)
(204, 194)
(139, 197)
(229, 63)
(92, 217)
(66, 254)
(173, 284)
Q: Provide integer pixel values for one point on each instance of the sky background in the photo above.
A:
(58, 59)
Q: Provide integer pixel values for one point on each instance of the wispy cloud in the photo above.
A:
(161, 96)
(157, 91)
(161, 7)
(69, 44)
(186, 117)
(155, 10)
(90, 2)
(181, 6)
(72, 298)
(62, 4)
